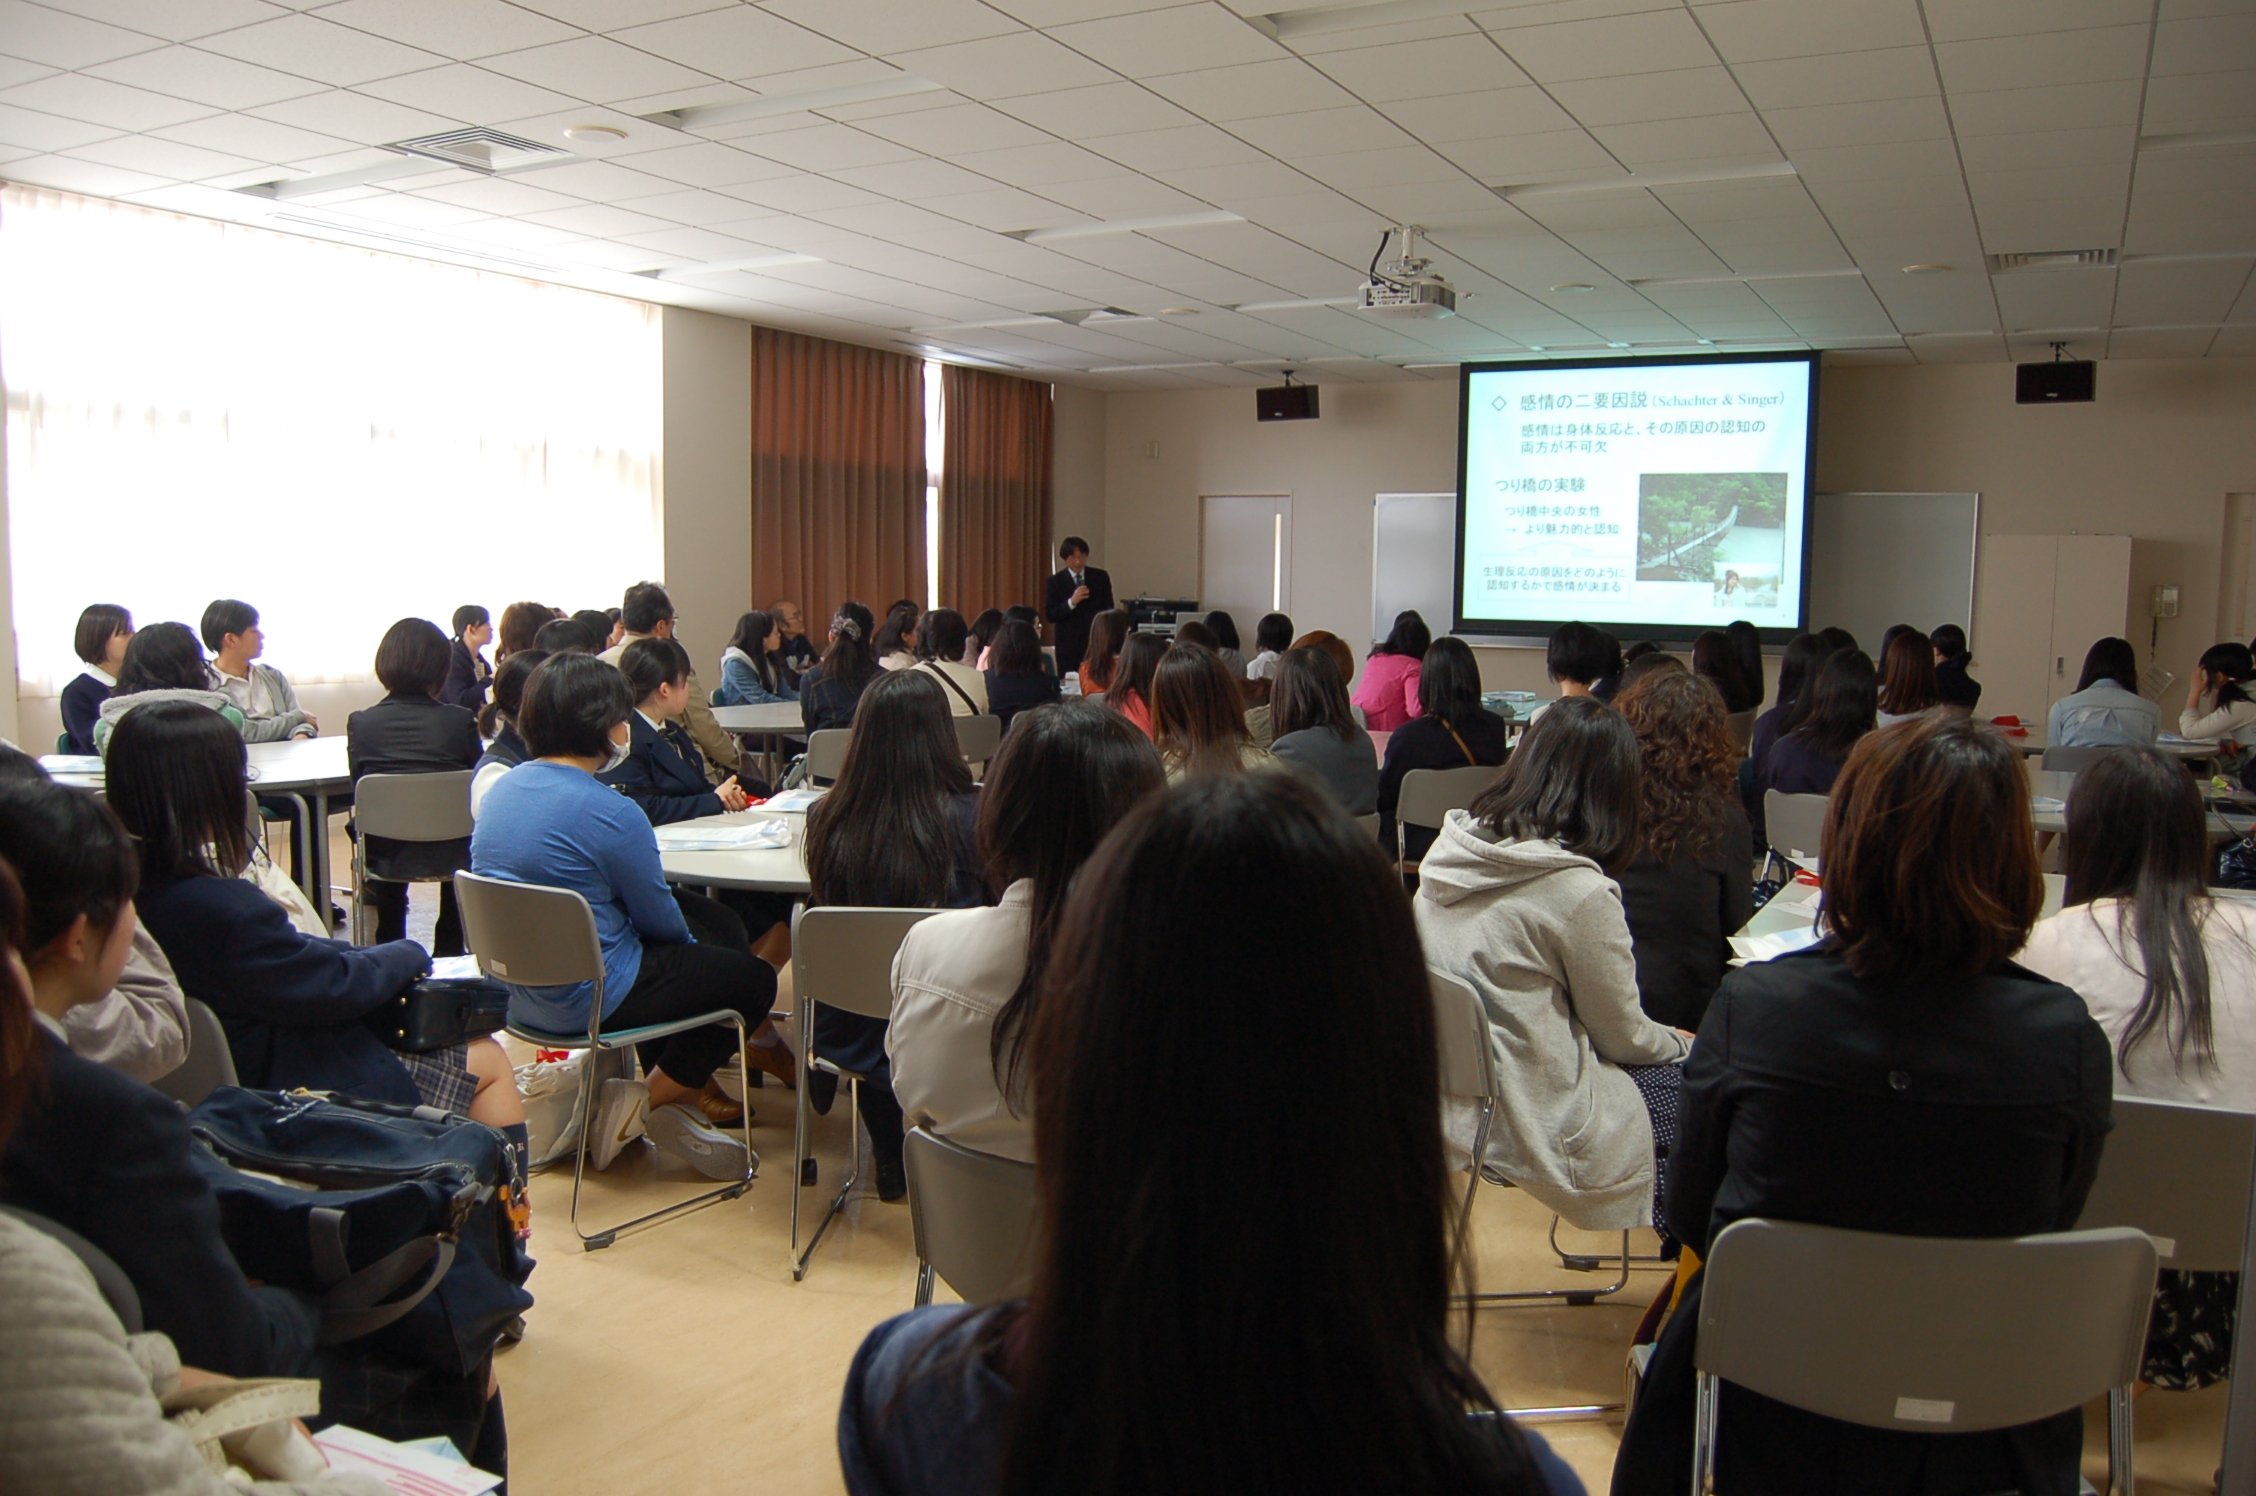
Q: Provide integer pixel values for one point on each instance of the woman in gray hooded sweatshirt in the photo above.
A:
(1515, 900)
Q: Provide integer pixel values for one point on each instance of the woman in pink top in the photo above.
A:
(1388, 693)
(1129, 690)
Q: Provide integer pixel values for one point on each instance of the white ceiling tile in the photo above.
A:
(1001, 67)
(1758, 30)
(905, 180)
(1166, 150)
(460, 91)
(1156, 42)
(513, 233)
(828, 147)
(598, 219)
(260, 140)
(596, 181)
(1351, 170)
(606, 255)
(1643, 145)
(1105, 109)
(499, 195)
(99, 102)
(739, 42)
(2055, 298)
(355, 117)
(1875, 121)
(2201, 101)
(2179, 292)
(162, 158)
(883, 26)
(2043, 59)
(1480, 116)
(2105, 146)
(1683, 93)
(956, 131)
(1121, 197)
(916, 103)
(699, 209)
(1285, 86)
(1322, 132)
(2210, 45)
(2067, 106)
(174, 20)
(314, 48)
(1439, 201)
(1869, 163)
(805, 193)
(1319, 44)
(1964, 20)
(597, 69)
(613, 15)
(413, 212)
(14, 70)
(2160, 343)
(706, 163)
(1238, 181)
(72, 175)
(1424, 69)
(1523, 159)
(460, 29)
(1652, 42)
(1000, 209)
(61, 40)
(1034, 165)
(32, 131)
(692, 243)
(206, 78)
(1890, 73)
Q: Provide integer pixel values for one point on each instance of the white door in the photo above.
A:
(1245, 557)
(2012, 643)
(2091, 601)
(2236, 599)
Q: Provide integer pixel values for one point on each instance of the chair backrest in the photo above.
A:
(528, 934)
(1429, 795)
(1741, 726)
(979, 736)
(414, 807)
(117, 1289)
(2179, 1173)
(1925, 1334)
(974, 1216)
(1362, 719)
(1461, 1033)
(843, 958)
(1794, 823)
(826, 751)
(210, 1063)
(2069, 760)
(1370, 824)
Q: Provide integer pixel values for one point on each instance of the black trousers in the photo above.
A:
(388, 902)
(676, 981)
(857, 1042)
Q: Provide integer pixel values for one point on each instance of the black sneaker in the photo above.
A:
(892, 1181)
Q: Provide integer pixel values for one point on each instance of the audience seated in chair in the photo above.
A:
(1129, 690)
(1272, 636)
(1907, 679)
(648, 613)
(1451, 731)
(1263, 1326)
(412, 731)
(468, 676)
(263, 694)
(1016, 675)
(895, 643)
(1389, 692)
(1844, 698)
(163, 662)
(505, 748)
(941, 638)
(895, 832)
(1904, 1076)
(104, 630)
(1316, 731)
(967, 985)
(831, 690)
(1198, 720)
(752, 673)
(521, 624)
(1108, 631)
(662, 772)
(1797, 668)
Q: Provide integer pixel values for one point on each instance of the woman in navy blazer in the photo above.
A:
(104, 630)
(294, 1007)
(412, 731)
(468, 676)
(663, 771)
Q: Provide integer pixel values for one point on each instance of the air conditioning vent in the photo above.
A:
(2055, 259)
(477, 149)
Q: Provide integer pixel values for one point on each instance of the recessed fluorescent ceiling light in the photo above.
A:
(596, 133)
(716, 267)
(1314, 20)
(1072, 317)
(1291, 306)
(2196, 139)
(697, 116)
(428, 246)
(1126, 226)
(1639, 181)
(1850, 273)
(1153, 368)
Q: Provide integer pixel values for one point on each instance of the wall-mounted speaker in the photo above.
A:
(1286, 402)
(2061, 382)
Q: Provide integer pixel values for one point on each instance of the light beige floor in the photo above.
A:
(685, 1357)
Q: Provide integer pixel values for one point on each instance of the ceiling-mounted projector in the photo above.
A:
(1407, 287)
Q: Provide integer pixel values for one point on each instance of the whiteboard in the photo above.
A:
(1413, 560)
(1878, 559)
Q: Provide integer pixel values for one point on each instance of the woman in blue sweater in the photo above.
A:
(666, 953)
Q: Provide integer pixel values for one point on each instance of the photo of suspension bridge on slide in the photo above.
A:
(1725, 529)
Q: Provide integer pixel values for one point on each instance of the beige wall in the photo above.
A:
(706, 483)
(1077, 467)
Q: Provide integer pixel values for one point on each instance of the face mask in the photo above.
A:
(618, 755)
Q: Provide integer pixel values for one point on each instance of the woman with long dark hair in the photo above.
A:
(1746, 644)
(1017, 677)
(1198, 720)
(1266, 1331)
(984, 628)
(2218, 703)
(895, 647)
(1715, 658)
(1224, 628)
(1516, 899)
(1316, 732)
(1843, 702)
(968, 986)
(1107, 632)
(1907, 679)
(1904, 1075)
(412, 731)
(896, 832)
(1130, 690)
(830, 690)
(1389, 691)
(940, 639)
(2105, 710)
(1451, 731)
(1804, 653)
(1690, 886)
(2170, 973)
(750, 673)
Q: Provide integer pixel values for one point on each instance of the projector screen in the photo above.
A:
(1652, 497)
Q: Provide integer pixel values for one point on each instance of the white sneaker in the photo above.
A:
(680, 1130)
(621, 1109)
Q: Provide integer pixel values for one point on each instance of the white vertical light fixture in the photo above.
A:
(1277, 561)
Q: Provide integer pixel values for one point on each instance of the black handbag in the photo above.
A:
(2236, 864)
(441, 1012)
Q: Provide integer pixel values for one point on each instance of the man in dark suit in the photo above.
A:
(1075, 597)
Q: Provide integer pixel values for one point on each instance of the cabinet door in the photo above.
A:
(2091, 600)
(2014, 588)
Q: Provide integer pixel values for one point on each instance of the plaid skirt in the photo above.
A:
(442, 1077)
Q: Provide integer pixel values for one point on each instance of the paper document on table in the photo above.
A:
(794, 800)
(724, 836)
(409, 1471)
(70, 763)
(2046, 805)
(1780, 943)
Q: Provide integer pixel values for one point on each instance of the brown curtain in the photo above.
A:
(994, 490)
(837, 475)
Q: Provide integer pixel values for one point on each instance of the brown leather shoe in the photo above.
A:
(776, 1060)
(718, 1108)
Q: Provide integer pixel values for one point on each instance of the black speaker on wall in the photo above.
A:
(1286, 402)
(2062, 382)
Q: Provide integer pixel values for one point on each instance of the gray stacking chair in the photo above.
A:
(978, 736)
(210, 1063)
(545, 937)
(826, 752)
(408, 808)
(1429, 795)
(974, 1218)
(842, 958)
(1794, 823)
(116, 1288)
(1369, 826)
(1934, 1336)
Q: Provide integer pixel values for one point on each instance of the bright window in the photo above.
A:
(935, 452)
(339, 436)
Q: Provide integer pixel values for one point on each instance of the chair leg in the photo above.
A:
(924, 1284)
(1583, 1262)
(597, 1241)
(800, 1159)
(1706, 1392)
(2121, 1481)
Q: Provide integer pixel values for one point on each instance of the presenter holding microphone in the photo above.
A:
(1076, 596)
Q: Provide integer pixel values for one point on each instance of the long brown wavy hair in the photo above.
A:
(1688, 757)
